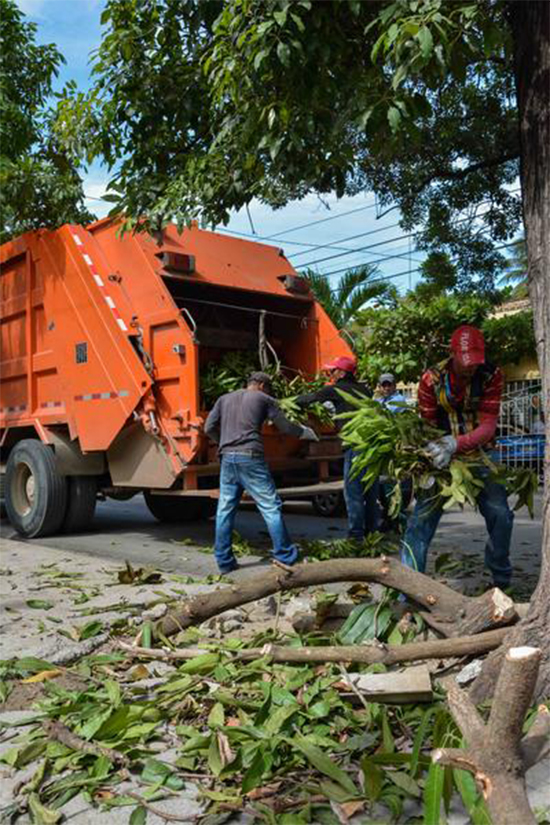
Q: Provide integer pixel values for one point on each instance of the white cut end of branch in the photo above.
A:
(438, 755)
(504, 605)
(516, 653)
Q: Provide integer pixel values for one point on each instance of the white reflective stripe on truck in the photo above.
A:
(97, 278)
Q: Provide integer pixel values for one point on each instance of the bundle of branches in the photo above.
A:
(371, 546)
(232, 372)
(393, 445)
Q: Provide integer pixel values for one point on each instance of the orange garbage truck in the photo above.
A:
(103, 340)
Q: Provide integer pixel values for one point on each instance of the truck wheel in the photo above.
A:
(81, 505)
(174, 509)
(329, 505)
(36, 494)
(2, 495)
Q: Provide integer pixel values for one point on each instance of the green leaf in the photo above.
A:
(404, 781)
(433, 795)
(373, 779)
(260, 57)
(253, 776)
(276, 720)
(394, 118)
(426, 41)
(113, 692)
(40, 604)
(30, 753)
(280, 16)
(323, 763)
(215, 762)
(283, 53)
(216, 717)
(473, 803)
(147, 635)
(419, 739)
(90, 630)
(40, 814)
(202, 664)
(138, 816)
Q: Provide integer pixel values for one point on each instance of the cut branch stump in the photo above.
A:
(496, 754)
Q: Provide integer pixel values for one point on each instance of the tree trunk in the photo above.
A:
(530, 22)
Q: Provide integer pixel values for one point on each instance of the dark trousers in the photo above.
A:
(361, 505)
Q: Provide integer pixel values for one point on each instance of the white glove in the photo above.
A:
(308, 434)
(441, 451)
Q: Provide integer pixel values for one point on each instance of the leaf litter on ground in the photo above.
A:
(238, 728)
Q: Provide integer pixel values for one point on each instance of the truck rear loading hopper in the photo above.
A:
(104, 338)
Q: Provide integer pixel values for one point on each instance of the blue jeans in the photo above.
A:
(241, 472)
(362, 507)
(493, 505)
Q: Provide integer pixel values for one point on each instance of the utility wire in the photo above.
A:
(398, 274)
(311, 246)
(350, 238)
(324, 220)
(381, 243)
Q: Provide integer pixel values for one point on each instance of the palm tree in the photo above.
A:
(516, 269)
(344, 300)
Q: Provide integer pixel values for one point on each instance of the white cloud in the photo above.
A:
(94, 189)
(33, 8)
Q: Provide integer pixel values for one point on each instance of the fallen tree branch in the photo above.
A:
(535, 745)
(59, 732)
(496, 753)
(368, 654)
(456, 614)
(153, 808)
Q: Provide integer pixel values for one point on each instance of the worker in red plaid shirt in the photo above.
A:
(462, 397)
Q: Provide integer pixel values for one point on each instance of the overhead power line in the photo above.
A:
(349, 238)
(390, 277)
(383, 243)
(324, 220)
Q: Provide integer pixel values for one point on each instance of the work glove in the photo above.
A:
(308, 434)
(441, 451)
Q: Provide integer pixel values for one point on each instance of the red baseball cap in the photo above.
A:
(344, 362)
(468, 346)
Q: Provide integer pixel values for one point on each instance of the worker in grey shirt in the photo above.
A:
(235, 423)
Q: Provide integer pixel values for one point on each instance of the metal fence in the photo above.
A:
(521, 438)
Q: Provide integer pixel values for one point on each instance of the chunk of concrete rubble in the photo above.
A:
(61, 651)
(155, 612)
(296, 605)
(470, 672)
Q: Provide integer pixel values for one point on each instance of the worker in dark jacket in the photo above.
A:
(235, 423)
(361, 506)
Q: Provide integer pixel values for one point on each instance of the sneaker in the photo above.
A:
(230, 568)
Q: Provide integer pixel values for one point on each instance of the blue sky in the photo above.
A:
(74, 25)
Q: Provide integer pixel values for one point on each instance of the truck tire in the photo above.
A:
(329, 505)
(36, 494)
(172, 509)
(2, 495)
(82, 496)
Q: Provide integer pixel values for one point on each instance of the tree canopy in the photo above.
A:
(39, 184)
(208, 105)
(414, 334)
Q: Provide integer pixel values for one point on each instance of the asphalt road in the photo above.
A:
(127, 531)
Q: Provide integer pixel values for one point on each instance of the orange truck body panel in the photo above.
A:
(98, 336)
